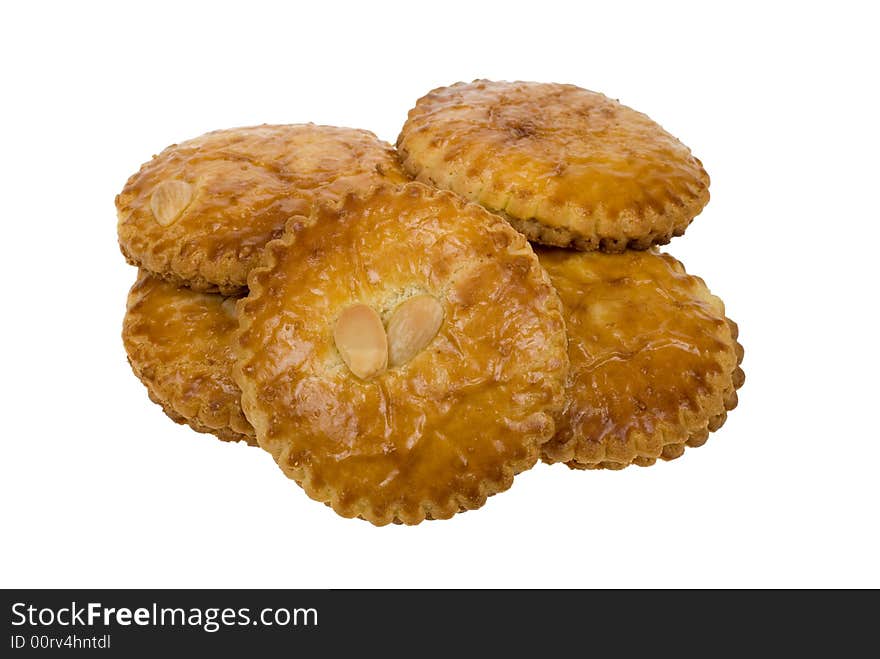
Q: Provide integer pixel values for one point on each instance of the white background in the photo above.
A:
(780, 101)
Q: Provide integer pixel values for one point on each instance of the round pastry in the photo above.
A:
(654, 360)
(179, 343)
(200, 212)
(401, 355)
(565, 166)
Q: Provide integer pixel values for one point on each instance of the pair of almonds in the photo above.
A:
(367, 349)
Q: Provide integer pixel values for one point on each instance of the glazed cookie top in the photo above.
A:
(568, 166)
(401, 355)
(652, 354)
(179, 343)
(201, 211)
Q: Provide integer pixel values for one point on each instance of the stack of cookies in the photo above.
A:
(406, 329)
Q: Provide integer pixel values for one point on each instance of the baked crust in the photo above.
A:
(244, 183)
(654, 360)
(451, 426)
(566, 166)
(179, 343)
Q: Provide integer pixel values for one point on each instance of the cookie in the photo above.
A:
(401, 355)
(654, 360)
(564, 165)
(179, 343)
(200, 212)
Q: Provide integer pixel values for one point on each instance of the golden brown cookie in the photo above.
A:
(401, 355)
(179, 343)
(565, 166)
(654, 360)
(200, 212)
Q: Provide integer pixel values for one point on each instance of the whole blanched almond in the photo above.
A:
(169, 199)
(412, 327)
(361, 341)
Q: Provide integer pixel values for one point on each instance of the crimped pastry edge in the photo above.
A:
(225, 433)
(198, 283)
(543, 234)
(227, 422)
(672, 446)
(361, 508)
(560, 233)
